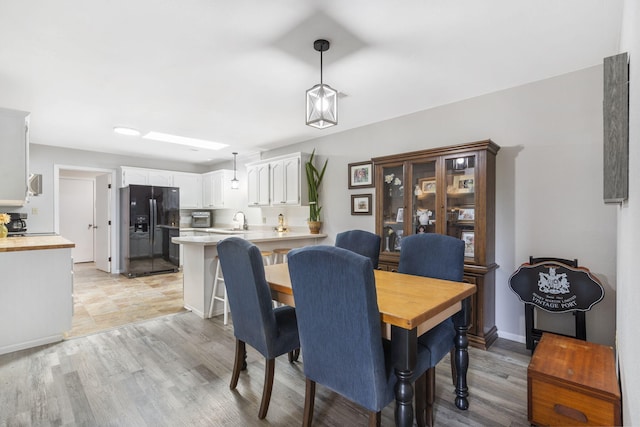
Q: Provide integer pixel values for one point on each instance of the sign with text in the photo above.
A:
(556, 287)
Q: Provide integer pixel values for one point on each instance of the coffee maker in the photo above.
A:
(17, 226)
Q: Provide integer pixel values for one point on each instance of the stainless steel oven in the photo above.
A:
(200, 219)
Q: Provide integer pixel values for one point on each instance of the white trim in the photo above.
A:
(512, 337)
(113, 203)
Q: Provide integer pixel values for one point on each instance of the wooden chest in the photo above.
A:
(572, 382)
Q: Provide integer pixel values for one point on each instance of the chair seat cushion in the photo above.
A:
(287, 339)
(438, 340)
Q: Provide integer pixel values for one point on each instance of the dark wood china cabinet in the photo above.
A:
(447, 190)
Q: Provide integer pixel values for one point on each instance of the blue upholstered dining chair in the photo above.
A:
(440, 257)
(270, 331)
(361, 242)
(340, 333)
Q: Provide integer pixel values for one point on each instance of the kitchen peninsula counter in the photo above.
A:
(199, 263)
(37, 291)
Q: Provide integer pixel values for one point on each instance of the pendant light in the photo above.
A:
(235, 184)
(322, 100)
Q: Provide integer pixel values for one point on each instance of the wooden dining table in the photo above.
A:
(409, 306)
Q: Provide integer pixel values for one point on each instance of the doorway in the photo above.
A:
(84, 208)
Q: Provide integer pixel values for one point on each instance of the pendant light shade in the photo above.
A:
(322, 99)
(235, 184)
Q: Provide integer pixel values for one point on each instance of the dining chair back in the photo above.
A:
(440, 257)
(361, 242)
(340, 333)
(272, 332)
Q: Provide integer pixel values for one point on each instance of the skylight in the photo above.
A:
(182, 140)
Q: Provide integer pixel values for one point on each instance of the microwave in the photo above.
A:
(201, 219)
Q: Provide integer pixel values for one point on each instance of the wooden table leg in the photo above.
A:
(404, 347)
(462, 354)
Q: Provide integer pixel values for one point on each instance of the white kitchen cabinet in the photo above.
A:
(190, 185)
(280, 181)
(14, 161)
(133, 176)
(142, 176)
(286, 177)
(217, 192)
(36, 305)
(161, 178)
(258, 184)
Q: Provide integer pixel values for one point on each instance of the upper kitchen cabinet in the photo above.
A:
(14, 162)
(258, 184)
(190, 185)
(448, 190)
(280, 181)
(287, 178)
(142, 176)
(217, 192)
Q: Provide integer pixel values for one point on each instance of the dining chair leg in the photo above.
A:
(237, 363)
(374, 419)
(309, 397)
(269, 367)
(293, 355)
(421, 399)
(431, 392)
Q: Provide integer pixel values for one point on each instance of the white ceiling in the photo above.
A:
(235, 71)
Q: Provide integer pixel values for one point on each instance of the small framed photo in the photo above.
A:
(466, 214)
(463, 183)
(361, 204)
(468, 237)
(400, 215)
(428, 186)
(361, 175)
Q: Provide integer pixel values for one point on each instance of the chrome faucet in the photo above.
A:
(240, 218)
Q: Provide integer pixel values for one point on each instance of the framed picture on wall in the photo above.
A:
(361, 204)
(361, 175)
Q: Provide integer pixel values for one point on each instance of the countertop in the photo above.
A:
(32, 243)
(257, 236)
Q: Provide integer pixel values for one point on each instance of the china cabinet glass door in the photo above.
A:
(393, 215)
(461, 200)
(424, 202)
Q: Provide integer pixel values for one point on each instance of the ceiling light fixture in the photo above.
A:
(235, 184)
(126, 131)
(322, 100)
(183, 140)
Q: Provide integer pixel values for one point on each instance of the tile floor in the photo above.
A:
(104, 301)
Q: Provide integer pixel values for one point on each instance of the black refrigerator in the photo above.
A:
(149, 217)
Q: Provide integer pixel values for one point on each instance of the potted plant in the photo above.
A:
(314, 179)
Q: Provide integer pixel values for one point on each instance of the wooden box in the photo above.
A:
(572, 382)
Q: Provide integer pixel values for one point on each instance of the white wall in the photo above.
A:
(628, 300)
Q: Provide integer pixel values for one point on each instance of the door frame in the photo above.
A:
(113, 203)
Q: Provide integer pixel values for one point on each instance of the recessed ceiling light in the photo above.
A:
(182, 140)
(126, 131)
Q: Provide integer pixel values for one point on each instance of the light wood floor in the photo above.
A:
(104, 301)
(174, 370)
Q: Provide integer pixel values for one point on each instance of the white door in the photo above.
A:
(103, 223)
(76, 216)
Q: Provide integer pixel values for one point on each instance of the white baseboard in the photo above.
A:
(512, 337)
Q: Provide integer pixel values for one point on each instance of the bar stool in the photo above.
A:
(218, 278)
(280, 255)
(267, 256)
